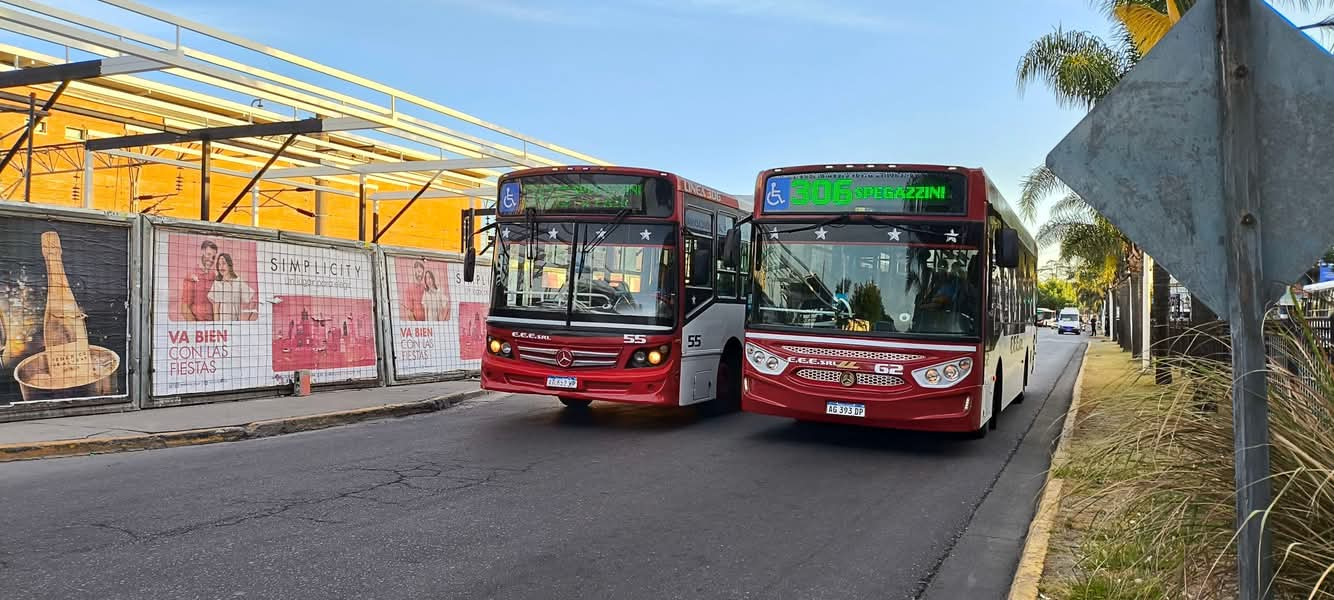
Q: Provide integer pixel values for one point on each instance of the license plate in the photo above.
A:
(845, 409)
(564, 383)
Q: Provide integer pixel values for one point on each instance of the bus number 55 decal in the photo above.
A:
(694, 341)
(631, 338)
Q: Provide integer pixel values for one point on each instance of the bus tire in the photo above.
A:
(727, 398)
(1020, 398)
(575, 404)
(996, 402)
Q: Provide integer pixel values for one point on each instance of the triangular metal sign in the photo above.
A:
(1147, 156)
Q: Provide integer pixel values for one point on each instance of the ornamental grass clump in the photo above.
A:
(1161, 485)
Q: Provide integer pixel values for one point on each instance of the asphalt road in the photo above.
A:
(513, 498)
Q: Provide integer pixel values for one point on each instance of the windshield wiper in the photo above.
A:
(811, 279)
(617, 221)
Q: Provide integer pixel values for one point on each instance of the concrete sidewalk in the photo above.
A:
(224, 421)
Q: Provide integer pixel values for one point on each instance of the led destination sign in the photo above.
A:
(585, 193)
(884, 192)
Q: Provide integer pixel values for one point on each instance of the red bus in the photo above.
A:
(608, 285)
(898, 296)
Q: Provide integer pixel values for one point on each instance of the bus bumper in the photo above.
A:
(655, 386)
(953, 410)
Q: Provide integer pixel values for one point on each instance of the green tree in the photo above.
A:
(1056, 294)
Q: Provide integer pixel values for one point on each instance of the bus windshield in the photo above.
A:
(586, 272)
(847, 278)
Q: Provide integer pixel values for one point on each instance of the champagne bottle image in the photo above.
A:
(64, 327)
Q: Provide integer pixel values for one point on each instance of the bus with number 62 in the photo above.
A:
(899, 296)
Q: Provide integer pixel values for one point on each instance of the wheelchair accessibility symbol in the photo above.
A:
(509, 199)
(777, 197)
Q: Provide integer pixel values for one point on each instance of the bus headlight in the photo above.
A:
(649, 357)
(499, 348)
(764, 361)
(944, 374)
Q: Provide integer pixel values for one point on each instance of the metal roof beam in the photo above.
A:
(486, 192)
(189, 165)
(230, 132)
(407, 166)
(88, 69)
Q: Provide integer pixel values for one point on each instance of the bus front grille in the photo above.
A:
(580, 358)
(831, 376)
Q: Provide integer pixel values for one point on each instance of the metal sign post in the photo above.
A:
(1212, 142)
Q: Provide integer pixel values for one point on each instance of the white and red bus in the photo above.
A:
(898, 296)
(608, 285)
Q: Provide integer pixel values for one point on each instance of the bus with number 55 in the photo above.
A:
(608, 284)
(898, 296)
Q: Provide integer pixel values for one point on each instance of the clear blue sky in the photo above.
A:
(715, 90)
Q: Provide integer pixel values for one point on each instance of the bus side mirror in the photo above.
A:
(732, 248)
(470, 264)
(1007, 248)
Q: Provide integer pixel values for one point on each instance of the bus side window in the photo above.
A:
(727, 278)
(744, 263)
(699, 248)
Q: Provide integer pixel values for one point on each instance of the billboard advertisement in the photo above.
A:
(64, 310)
(234, 314)
(438, 320)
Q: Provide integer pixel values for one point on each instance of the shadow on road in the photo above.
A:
(868, 438)
(627, 417)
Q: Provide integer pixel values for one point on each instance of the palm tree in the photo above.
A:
(1080, 68)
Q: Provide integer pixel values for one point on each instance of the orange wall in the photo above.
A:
(58, 179)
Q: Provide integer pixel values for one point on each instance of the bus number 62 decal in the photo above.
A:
(889, 369)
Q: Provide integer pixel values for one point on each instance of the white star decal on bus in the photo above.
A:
(645, 234)
(552, 233)
(952, 236)
(602, 233)
(820, 233)
(505, 233)
(894, 235)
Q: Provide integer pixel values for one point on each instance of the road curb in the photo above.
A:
(1034, 558)
(231, 433)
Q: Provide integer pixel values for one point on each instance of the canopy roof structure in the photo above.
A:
(245, 109)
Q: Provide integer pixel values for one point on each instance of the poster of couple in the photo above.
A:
(235, 314)
(439, 320)
(425, 297)
(218, 284)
